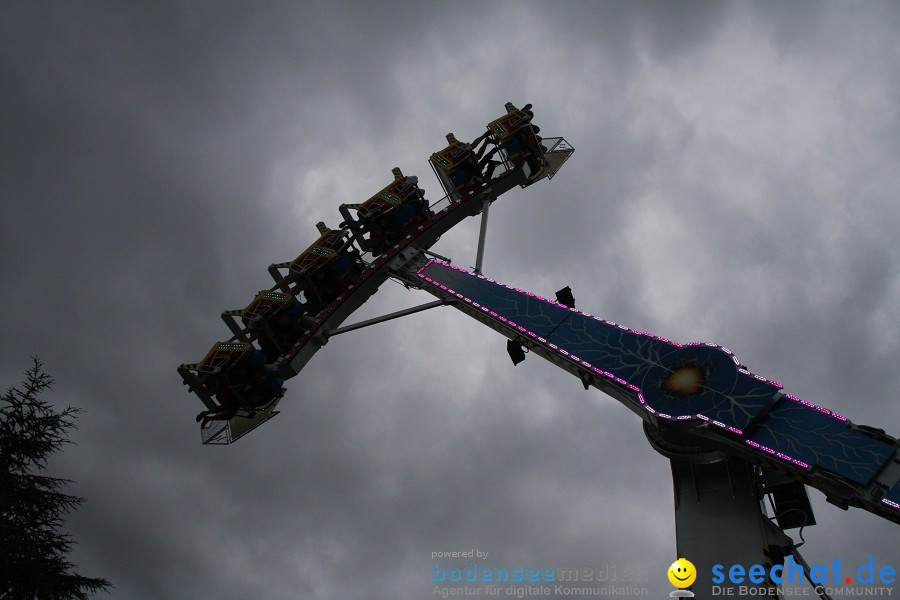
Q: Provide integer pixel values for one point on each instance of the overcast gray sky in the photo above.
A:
(735, 180)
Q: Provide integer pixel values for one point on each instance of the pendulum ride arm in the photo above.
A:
(711, 416)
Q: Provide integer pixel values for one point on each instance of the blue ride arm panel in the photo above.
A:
(639, 359)
(688, 383)
(822, 440)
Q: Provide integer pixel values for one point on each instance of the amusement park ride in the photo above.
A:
(734, 438)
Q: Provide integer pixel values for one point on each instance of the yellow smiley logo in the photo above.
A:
(682, 573)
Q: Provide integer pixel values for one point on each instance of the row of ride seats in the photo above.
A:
(240, 375)
(463, 167)
(237, 377)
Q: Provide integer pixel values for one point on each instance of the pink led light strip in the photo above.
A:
(891, 503)
(824, 411)
(780, 455)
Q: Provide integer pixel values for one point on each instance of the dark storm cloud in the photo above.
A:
(732, 182)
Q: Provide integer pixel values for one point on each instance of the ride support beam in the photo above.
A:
(718, 520)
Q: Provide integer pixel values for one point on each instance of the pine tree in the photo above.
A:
(33, 563)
